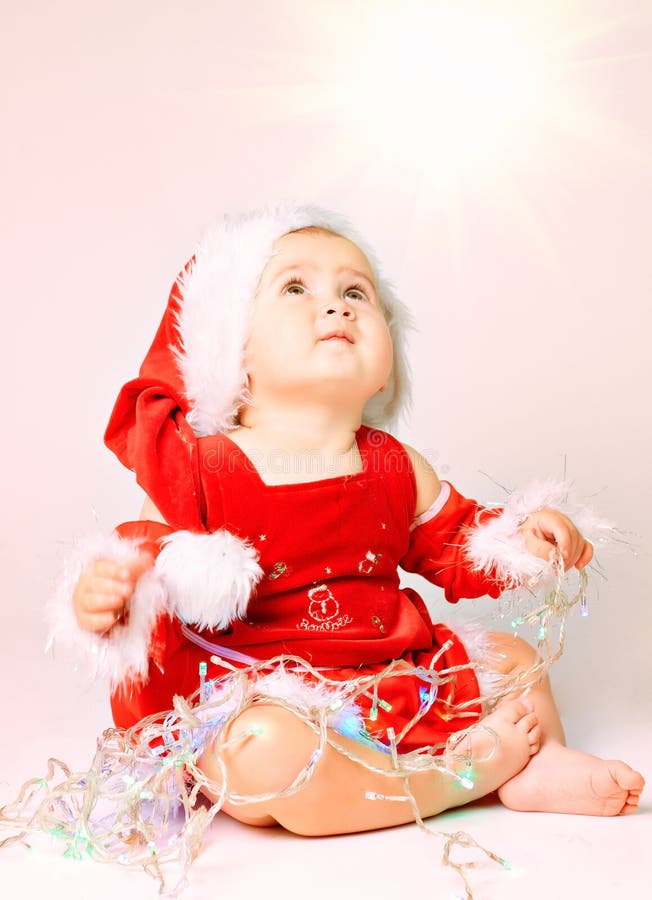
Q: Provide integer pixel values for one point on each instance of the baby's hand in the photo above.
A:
(547, 529)
(103, 591)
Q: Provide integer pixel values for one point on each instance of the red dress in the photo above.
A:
(330, 592)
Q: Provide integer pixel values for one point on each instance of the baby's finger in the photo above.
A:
(578, 549)
(101, 623)
(567, 539)
(538, 546)
(586, 556)
(112, 587)
(138, 565)
(104, 602)
(108, 568)
(552, 533)
(564, 541)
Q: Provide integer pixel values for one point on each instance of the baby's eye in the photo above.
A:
(295, 286)
(357, 292)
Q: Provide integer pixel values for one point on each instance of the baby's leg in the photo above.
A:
(559, 779)
(334, 801)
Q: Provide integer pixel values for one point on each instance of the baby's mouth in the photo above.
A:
(338, 336)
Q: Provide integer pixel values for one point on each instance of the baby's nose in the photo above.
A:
(338, 306)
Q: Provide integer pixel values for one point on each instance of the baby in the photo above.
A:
(242, 550)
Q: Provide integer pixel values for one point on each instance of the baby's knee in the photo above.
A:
(513, 651)
(263, 750)
(524, 651)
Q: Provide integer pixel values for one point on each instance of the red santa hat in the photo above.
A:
(192, 382)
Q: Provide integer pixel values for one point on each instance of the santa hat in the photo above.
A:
(198, 349)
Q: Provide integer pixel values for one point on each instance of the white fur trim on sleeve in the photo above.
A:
(497, 547)
(122, 652)
(209, 577)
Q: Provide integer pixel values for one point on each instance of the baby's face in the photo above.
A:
(317, 285)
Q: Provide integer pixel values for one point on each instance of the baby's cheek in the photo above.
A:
(389, 355)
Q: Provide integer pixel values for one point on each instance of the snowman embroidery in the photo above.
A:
(323, 606)
(324, 609)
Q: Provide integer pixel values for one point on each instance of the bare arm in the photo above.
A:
(428, 484)
(150, 513)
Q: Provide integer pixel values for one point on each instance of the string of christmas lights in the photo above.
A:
(139, 803)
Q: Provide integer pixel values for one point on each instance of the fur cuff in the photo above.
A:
(122, 653)
(205, 579)
(209, 578)
(497, 547)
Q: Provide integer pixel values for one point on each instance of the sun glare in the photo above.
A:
(449, 87)
(454, 107)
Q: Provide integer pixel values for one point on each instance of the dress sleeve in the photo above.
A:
(438, 547)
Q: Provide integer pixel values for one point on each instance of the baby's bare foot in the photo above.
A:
(562, 780)
(498, 747)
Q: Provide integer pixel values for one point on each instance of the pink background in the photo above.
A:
(127, 127)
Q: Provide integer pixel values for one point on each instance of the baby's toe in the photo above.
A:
(527, 723)
(516, 710)
(631, 804)
(626, 777)
(618, 787)
(534, 739)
